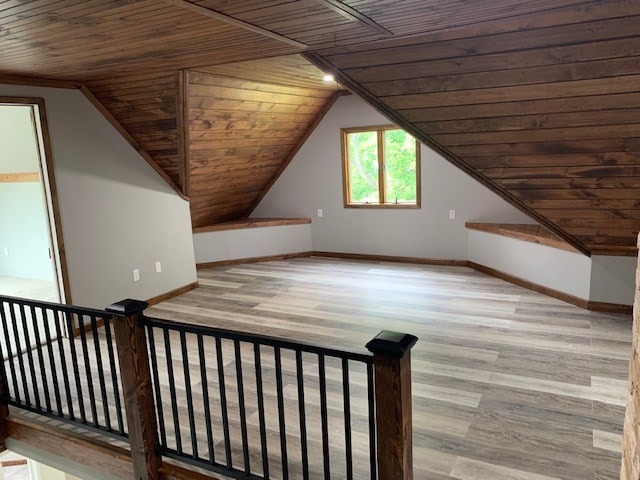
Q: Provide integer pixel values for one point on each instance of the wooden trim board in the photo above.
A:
(351, 13)
(38, 82)
(182, 118)
(235, 22)
(87, 327)
(90, 451)
(614, 251)
(392, 258)
(251, 223)
(550, 292)
(19, 177)
(240, 261)
(565, 297)
(163, 297)
(542, 237)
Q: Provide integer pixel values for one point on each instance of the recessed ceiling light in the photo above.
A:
(328, 78)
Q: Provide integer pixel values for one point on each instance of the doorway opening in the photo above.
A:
(32, 263)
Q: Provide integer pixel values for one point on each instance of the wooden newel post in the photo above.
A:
(4, 406)
(137, 387)
(392, 363)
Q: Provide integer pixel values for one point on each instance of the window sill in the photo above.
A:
(376, 205)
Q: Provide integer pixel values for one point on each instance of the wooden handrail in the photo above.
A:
(388, 391)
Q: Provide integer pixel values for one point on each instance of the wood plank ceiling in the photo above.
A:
(537, 99)
(245, 120)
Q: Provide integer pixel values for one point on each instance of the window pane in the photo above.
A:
(362, 148)
(400, 167)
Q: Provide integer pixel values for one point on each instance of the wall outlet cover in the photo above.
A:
(320, 213)
(452, 214)
(136, 275)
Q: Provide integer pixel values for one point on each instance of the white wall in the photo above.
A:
(598, 278)
(568, 272)
(251, 242)
(23, 218)
(313, 180)
(613, 279)
(117, 213)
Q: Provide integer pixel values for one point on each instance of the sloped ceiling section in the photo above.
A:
(82, 40)
(546, 112)
(145, 105)
(245, 121)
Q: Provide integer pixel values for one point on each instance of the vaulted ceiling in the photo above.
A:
(536, 99)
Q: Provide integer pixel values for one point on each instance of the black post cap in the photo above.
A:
(392, 344)
(127, 307)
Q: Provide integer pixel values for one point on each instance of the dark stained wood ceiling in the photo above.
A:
(146, 106)
(537, 99)
(245, 122)
(82, 40)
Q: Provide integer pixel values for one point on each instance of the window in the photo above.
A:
(381, 168)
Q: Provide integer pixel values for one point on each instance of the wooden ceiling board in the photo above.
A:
(244, 122)
(312, 22)
(90, 40)
(293, 70)
(419, 16)
(146, 107)
(545, 116)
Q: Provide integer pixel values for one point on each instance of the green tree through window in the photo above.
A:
(381, 167)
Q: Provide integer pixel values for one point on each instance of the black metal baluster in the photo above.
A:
(205, 398)
(43, 372)
(302, 415)
(87, 368)
(156, 386)
(372, 422)
(52, 361)
(223, 403)
(16, 338)
(12, 367)
(242, 408)
(346, 393)
(101, 381)
(281, 418)
(76, 368)
(261, 415)
(323, 417)
(187, 386)
(172, 390)
(32, 365)
(114, 374)
(63, 362)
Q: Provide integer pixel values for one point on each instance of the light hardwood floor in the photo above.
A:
(507, 383)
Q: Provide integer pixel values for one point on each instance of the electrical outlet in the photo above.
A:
(136, 275)
(320, 213)
(6, 250)
(452, 214)
(158, 267)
